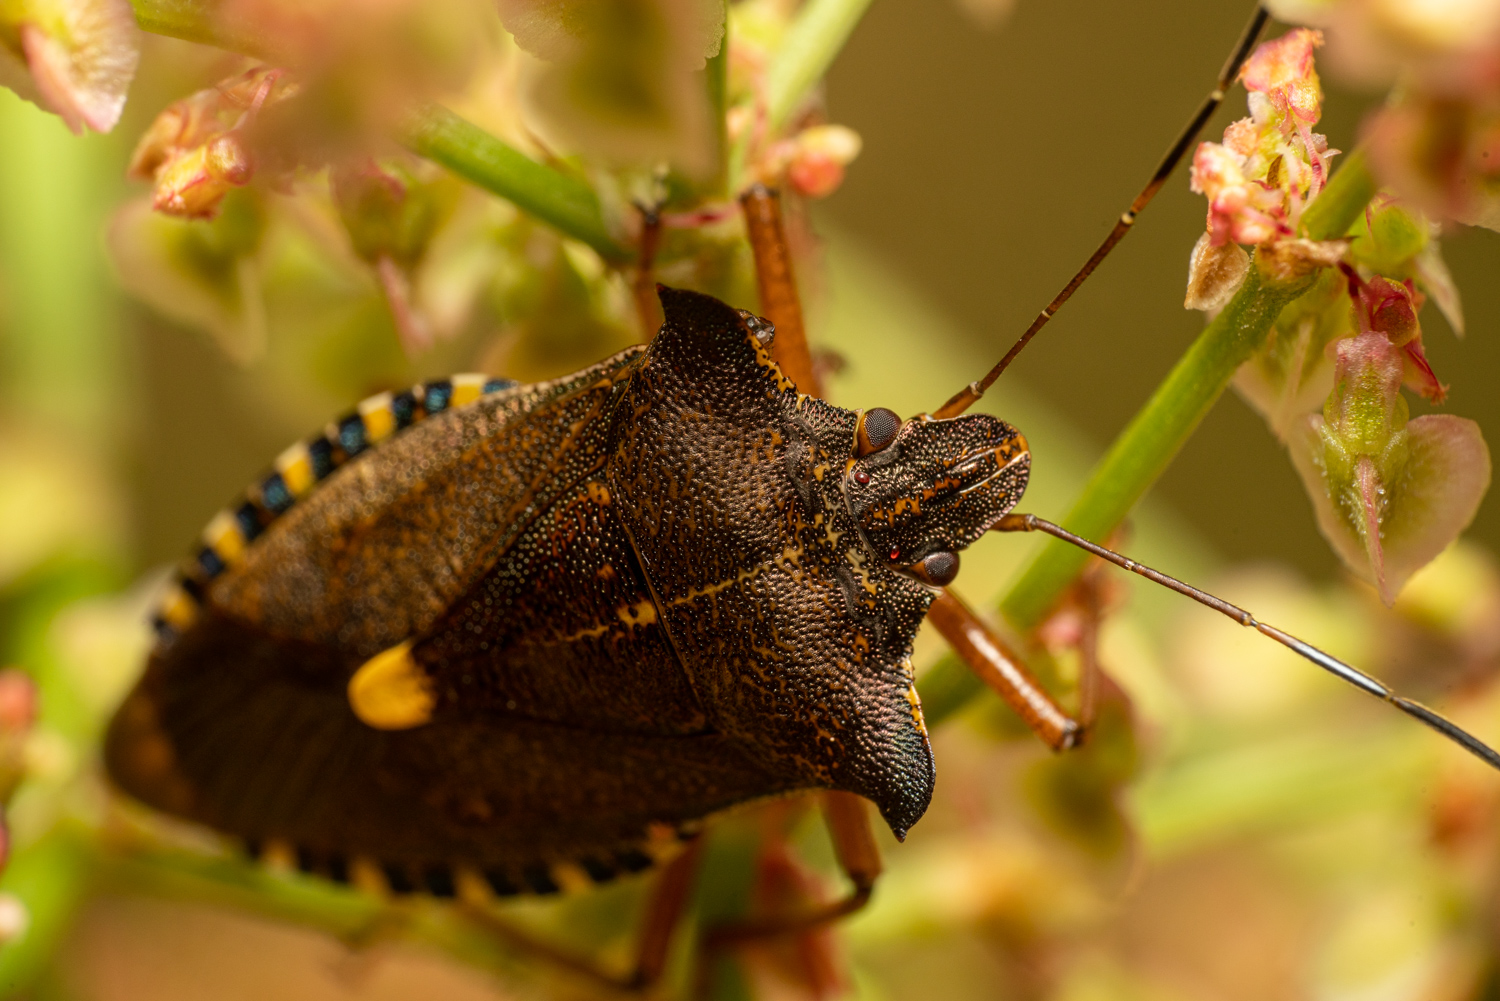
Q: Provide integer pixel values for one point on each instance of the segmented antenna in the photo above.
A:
(1329, 663)
(970, 394)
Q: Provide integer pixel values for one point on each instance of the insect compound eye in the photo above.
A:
(937, 569)
(759, 327)
(877, 429)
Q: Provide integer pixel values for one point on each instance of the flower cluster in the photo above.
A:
(1437, 142)
(1261, 177)
(1389, 492)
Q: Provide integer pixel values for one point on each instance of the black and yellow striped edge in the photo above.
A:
(294, 474)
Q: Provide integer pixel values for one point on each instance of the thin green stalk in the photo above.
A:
(1152, 439)
(192, 21)
(561, 200)
(716, 80)
(809, 47)
(50, 877)
(351, 916)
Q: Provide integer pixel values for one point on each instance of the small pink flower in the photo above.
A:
(1390, 308)
(1270, 165)
(1239, 209)
(812, 161)
(1282, 69)
(198, 148)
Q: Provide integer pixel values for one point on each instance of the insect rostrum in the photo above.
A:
(620, 601)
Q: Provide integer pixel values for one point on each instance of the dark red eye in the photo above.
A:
(861, 477)
(895, 554)
(877, 429)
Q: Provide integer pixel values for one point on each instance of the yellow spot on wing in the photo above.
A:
(295, 468)
(471, 887)
(390, 691)
(467, 388)
(365, 876)
(642, 613)
(916, 708)
(223, 536)
(178, 608)
(378, 417)
(710, 589)
(278, 855)
(570, 878)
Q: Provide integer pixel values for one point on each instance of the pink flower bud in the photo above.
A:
(1390, 308)
(823, 151)
(1239, 209)
(1390, 493)
(228, 161)
(197, 150)
(18, 701)
(812, 161)
(1282, 69)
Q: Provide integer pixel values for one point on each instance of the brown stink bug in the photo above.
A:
(507, 637)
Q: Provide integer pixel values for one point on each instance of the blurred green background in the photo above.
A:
(1355, 847)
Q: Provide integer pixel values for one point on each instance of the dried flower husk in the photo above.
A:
(75, 58)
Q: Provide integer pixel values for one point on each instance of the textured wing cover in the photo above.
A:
(730, 490)
(565, 726)
(639, 594)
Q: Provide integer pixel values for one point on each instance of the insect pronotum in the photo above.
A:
(481, 638)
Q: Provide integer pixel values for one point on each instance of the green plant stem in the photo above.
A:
(50, 878)
(1152, 439)
(716, 82)
(560, 200)
(351, 916)
(192, 21)
(807, 49)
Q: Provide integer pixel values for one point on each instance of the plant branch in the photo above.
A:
(356, 918)
(564, 202)
(807, 50)
(1152, 439)
(191, 21)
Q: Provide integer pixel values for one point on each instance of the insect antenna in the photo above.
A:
(970, 394)
(1329, 663)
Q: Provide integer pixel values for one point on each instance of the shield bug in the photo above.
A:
(516, 637)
